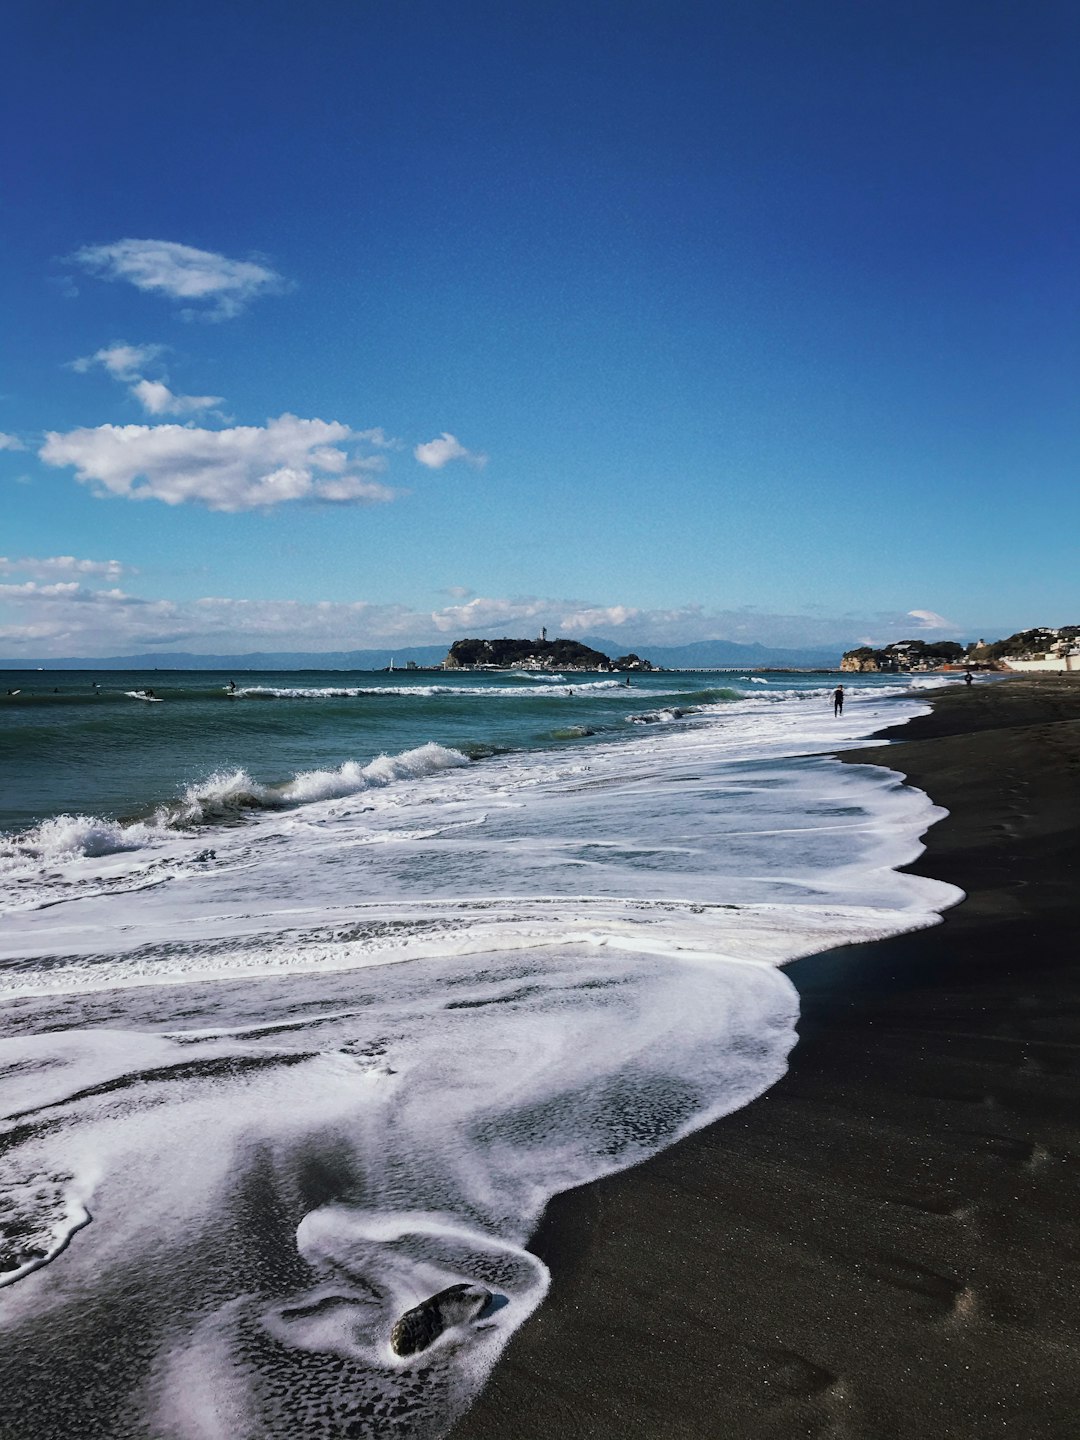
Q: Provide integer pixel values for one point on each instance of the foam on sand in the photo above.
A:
(402, 1131)
(39, 1213)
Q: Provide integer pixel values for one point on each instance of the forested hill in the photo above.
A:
(551, 654)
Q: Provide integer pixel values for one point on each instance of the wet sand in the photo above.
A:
(888, 1243)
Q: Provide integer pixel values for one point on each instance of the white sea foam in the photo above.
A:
(221, 796)
(227, 792)
(65, 836)
(39, 1213)
(660, 717)
(557, 685)
(343, 1058)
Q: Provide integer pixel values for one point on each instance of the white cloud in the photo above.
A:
(930, 620)
(123, 362)
(222, 287)
(126, 362)
(10, 442)
(565, 617)
(73, 619)
(40, 566)
(598, 618)
(484, 613)
(437, 453)
(379, 437)
(67, 589)
(157, 399)
(244, 467)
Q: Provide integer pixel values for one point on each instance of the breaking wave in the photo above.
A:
(557, 685)
(659, 717)
(222, 796)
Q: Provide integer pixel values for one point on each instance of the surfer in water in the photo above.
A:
(838, 700)
(231, 687)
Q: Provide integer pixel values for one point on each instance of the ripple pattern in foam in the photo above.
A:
(286, 1141)
(285, 1189)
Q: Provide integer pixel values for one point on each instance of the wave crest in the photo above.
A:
(66, 836)
(222, 796)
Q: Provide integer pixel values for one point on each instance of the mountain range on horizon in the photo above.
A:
(699, 654)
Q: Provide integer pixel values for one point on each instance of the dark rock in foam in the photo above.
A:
(421, 1326)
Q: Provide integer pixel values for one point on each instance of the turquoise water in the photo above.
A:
(78, 742)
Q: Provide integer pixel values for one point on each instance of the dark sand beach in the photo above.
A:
(888, 1243)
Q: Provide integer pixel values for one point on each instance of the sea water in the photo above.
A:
(315, 988)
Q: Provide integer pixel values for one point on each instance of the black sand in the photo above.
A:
(888, 1243)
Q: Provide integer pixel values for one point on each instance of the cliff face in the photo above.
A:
(858, 662)
(546, 654)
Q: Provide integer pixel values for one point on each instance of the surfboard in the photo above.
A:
(150, 699)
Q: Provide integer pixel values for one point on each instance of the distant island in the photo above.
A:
(542, 654)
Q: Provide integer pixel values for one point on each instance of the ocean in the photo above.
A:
(313, 991)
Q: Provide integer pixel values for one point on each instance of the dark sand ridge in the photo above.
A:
(888, 1243)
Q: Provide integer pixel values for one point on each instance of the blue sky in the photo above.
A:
(361, 324)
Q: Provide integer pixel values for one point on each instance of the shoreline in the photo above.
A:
(887, 1243)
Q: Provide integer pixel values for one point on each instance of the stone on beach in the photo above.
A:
(421, 1326)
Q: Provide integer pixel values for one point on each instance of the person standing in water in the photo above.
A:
(967, 678)
(838, 700)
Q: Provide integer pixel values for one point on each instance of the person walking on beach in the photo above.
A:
(838, 700)
(967, 678)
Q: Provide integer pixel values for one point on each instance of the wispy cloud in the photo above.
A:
(243, 467)
(74, 619)
(218, 286)
(437, 453)
(931, 620)
(157, 399)
(127, 362)
(10, 442)
(122, 361)
(378, 436)
(483, 612)
(43, 566)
